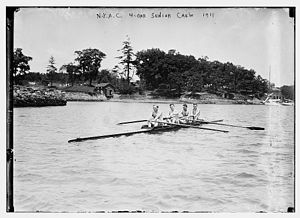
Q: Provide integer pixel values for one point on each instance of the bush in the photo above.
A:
(126, 89)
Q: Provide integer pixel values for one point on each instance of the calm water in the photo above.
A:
(184, 170)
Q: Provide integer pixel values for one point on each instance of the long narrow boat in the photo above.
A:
(144, 129)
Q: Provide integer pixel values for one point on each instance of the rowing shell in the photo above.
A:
(144, 129)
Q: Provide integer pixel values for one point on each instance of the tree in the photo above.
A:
(288, 92)
(149, 64)
(105, 76)
(127, 60)
(176, 81)
(21, 66)
(89, 63)
(194, 79)
(51, 70)
(184, 72)
(72, 71)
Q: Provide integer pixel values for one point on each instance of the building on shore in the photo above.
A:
(276, 94)
(105, 88)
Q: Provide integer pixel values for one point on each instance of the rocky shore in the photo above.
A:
(80, 96)
(37, 97)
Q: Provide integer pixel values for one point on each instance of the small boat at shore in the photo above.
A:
(287, 102)
(272, 102)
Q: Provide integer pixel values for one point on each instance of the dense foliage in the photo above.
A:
(288, 92)
(21, 66)
(72, 71)
(89, 62)
(163, 72)
(186, 73)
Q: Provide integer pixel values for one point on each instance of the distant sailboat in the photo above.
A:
(270, 100)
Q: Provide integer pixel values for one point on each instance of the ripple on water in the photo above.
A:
(245, 175)
(247, 151)
(189, 169)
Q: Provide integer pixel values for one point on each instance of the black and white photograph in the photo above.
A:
(150, 109)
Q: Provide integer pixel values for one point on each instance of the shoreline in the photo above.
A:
(39, 97)
(177, 101)
(160, 100)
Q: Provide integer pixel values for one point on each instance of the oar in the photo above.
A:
(246, 127)
(206, 122)
(134, 121)
(139, 121)
(110, 135)
(190, 126)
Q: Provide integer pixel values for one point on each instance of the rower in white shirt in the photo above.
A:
(184, 115)
(195, 113)
(173, 115)
(156, 117)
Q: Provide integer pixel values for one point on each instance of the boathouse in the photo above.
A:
(276, 93)
(105, 88)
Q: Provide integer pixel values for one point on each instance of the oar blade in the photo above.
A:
(255, 128)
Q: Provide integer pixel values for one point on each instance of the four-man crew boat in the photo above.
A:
(155, 129)
(175, 121)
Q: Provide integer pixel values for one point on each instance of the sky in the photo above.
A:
(261, 39)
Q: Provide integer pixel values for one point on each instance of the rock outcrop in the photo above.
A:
(37, 97)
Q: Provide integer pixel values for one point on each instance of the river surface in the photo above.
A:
(184, 170)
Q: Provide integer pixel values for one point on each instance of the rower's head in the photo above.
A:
(172, 106)
(194, 106)
(155, 108)
(184, 106)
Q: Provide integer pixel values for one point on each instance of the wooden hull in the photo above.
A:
(145, 129)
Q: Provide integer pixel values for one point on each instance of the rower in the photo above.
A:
(173, 115)
(184, 115)
(156, 116)
(195, 113)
